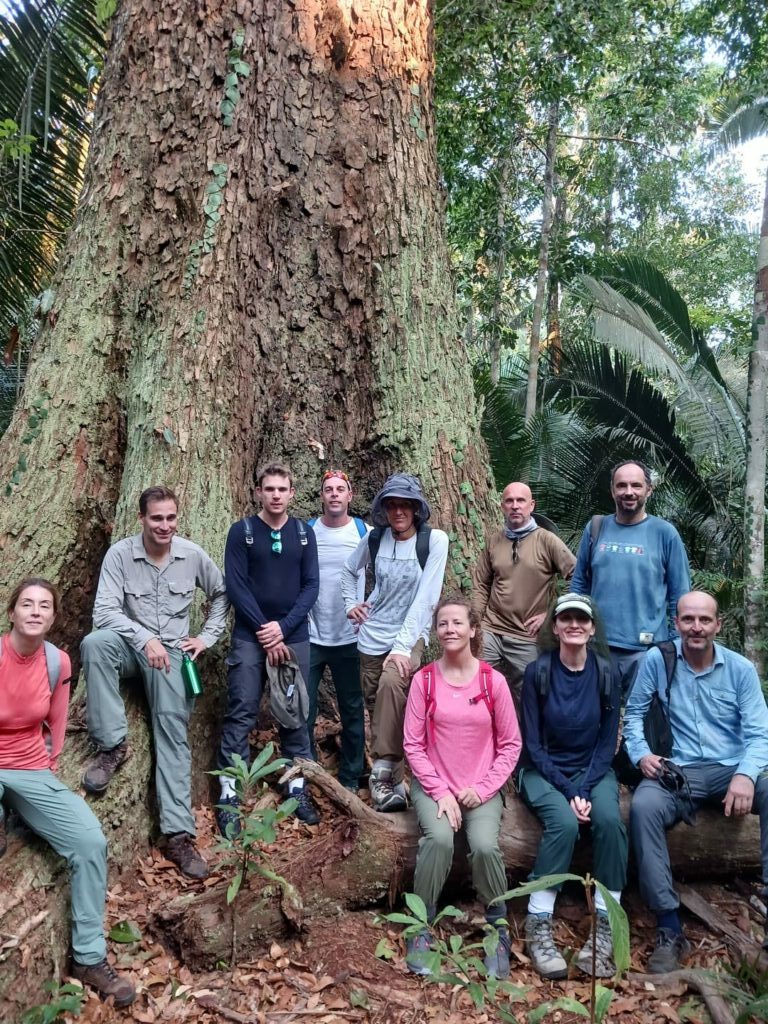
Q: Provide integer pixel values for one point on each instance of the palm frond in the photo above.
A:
(737, 120)
(49, 54)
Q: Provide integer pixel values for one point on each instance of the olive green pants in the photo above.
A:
(433, 862)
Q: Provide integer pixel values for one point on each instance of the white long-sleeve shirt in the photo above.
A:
(404, 598)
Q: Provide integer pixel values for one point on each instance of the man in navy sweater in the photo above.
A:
(272, 579)
(635, 570)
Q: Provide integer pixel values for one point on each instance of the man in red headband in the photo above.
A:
(333, 642)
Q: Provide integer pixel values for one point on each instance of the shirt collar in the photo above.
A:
(140, 554)
(719, 657)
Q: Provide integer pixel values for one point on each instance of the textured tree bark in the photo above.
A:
(547, 215)
(257, 270)
(754, 484)
(369, 857)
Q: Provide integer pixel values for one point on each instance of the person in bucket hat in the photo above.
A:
(408, 560)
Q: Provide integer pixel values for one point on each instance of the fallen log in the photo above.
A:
(366, 857)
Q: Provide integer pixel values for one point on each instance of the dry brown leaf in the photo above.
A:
(323, 982)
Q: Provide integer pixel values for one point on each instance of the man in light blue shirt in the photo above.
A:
(719, 728)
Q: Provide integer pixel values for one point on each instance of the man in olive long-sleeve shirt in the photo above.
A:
(514, 582)
(141, 616)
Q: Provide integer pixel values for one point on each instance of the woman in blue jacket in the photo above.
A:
(570, 715)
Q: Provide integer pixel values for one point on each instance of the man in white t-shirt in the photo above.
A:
(408, 561)
(333, 642)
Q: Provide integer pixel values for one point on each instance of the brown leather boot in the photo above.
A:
(98, 775)
(181, 849)
(105, 980)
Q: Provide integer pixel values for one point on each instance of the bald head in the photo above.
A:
(698, 623)
(517, 504)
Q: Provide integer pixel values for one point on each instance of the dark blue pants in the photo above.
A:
(247, 673)
(344, 664)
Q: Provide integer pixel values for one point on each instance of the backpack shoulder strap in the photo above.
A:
(485, 682)
(543, 675)
(362, 529)
(604, 682)
(53, 664)
(422, 544)
(595, 526)
(669, 654)
(374, 543)
(428, 679)
(301, 526)
(311, 522)
(248, 531)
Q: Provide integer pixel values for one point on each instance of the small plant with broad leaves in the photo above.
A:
(65, 999)
(451, 960)
(456, 962)
(244, 845)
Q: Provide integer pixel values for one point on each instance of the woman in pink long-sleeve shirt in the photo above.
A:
(462, 742)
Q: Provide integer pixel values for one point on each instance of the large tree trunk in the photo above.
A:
(257, 270)
(754, 487)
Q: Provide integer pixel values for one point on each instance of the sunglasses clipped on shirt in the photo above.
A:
(277, 541)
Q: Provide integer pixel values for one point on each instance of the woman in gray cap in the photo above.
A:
(408, 559)
(570, 712)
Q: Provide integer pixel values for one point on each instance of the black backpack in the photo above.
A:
(658, 734)
(422, 545)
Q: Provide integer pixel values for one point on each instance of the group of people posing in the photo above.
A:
(523, 682)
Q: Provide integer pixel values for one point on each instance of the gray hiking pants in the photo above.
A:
(655, 809)
(107, 659)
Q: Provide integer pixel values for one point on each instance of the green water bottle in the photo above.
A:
(193, 684)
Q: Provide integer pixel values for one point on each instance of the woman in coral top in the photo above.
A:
(462, 742)
(34, 696)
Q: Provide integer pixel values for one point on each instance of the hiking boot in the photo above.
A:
(671, 949)
(385, 795)
(604, 965)
(105, 980)
(3, 835)
(417, 948)
(227, 818)
(306, 810)
(497, 963)
(98, 775)
(181, 849)
(541, 947)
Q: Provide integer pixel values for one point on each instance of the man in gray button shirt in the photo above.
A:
(141, 616)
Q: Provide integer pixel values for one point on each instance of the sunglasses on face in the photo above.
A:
(277, 541)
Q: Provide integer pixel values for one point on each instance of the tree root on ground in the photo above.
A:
(708, 985)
